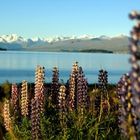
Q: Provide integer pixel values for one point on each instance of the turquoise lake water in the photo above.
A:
(16, 66)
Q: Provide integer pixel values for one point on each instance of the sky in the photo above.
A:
(48, 18)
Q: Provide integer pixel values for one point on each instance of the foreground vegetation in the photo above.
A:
(60, 111)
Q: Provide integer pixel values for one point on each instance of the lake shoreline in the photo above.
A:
(95, 51)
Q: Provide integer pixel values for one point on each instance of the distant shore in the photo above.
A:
(1, 49)
(69, 51)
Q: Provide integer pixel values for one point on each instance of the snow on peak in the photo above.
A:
(120, 36)
(56, 39)
(36, 39)
(86, 36)
(104, 37)
(52, 39)
(64, 38)
(11, 38)
(14, 38)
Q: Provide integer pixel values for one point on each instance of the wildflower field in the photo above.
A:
(74, 110)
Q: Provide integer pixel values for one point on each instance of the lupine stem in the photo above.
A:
(99, 118)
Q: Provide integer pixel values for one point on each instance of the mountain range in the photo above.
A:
(84, 43)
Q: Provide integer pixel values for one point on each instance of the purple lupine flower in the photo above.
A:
(82, 89)
(62, 102)
(79, 93)
(55, 86)
(38, 103)
(103, 98)
(135, 70)
(72, 87)
(103, 81)
(14, 98)
(126, 116)
(86, 98)
(35, 119)
(130, 97)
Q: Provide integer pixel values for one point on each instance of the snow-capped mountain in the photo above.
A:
(15, 38)
(36, 39)
(61, 43)
(64, 38)
(121, 36)
(104, 37)
(12, 38)
(86, 37)
(55, 39)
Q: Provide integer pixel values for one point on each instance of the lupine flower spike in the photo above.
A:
(72, 87)
(6, 116)
(102, 101)
(82, 96)
(39, 86)
(38, 102)
(126, 117)
(14, 98)
(62, 104)
(24, 98)
(55, 86)
(130, 89)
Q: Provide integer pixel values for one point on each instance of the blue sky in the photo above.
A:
(43, 18)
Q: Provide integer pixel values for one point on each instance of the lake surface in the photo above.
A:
(16, 66)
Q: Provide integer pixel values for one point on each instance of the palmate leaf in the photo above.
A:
(22, 130)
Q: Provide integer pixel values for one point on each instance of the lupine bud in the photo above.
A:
(134, 15)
